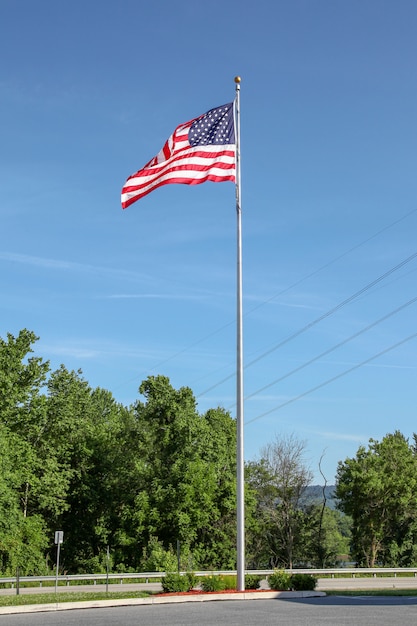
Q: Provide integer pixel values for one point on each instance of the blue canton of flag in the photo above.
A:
(214, 127)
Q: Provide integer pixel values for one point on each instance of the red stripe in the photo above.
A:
(185, 181)
(181, 154)
(176, 168)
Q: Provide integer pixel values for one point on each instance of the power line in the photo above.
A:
(329, 263)
(333, 348)
(298, 282)
(318, 319)
(331, 380)
(276, 295)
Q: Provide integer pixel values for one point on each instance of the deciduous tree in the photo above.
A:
(378, 489)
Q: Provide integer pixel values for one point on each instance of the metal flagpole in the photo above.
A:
(240, 514)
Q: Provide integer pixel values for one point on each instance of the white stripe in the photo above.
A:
(182, 163)
(188, 158)
(184, 172)
(188, 174)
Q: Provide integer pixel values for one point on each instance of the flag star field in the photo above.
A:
(215, 127)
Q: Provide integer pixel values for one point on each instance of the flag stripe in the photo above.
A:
(186, 159)
(193, 169)
(138, 191)
(130, 198)
(208, 159)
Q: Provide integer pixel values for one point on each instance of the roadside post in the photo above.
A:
(59, 538)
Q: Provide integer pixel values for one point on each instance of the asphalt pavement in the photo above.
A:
(320, 611)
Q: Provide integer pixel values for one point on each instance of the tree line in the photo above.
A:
(138, 481)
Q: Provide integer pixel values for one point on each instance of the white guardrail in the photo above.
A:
(344, 572)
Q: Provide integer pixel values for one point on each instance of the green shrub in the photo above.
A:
(279, 581)
(192, 580)
(252, 581)
(230, 581)
(303, 582)
(213, 583)
(175, 582)
(156, 558)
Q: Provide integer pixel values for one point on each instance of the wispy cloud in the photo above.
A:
(69, 266)
(72, 351)
(155, 296)
(87, 350)
(341, 436)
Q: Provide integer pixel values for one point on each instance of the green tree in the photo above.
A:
(30, 479)
(137, 479)
(325, 542)
(260, 533)
(187, 491)
(279, 480)
(378, 489)
(91, 432)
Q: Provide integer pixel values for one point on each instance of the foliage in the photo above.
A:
(136, 482)
(192, 580)
(188, 462)
(303, 582)
(157, 559)
(230, 581)
(177, 582)
(31, 482)
(71, 596)
(378, 489)
(278, 480)
(252, 581)
(213, 583)
(279, 580)
(327, 536)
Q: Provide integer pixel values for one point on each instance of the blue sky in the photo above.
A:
(90, 91)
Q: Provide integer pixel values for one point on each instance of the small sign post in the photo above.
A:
(59, 538)
(107, 568)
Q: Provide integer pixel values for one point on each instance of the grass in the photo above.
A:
(374, 592)
(53, 598)
(380, 574)
(74, 583)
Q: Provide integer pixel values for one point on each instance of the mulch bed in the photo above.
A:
(198, 592)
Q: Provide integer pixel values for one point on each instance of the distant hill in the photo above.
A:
(314, 495)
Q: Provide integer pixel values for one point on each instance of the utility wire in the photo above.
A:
(290, 287)
(317, 320)
(329, 263)
(331, 380)
(276, 295)
(332, 349)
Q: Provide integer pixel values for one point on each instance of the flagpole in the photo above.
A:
(240, 482)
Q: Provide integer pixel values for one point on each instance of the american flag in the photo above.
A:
(199, 150)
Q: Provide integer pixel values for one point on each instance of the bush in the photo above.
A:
(175, 582)
(192, 580)
(156, 558)
(279, 581)
(252, 581)
(230, 581)
(303, 582)
(213, 583)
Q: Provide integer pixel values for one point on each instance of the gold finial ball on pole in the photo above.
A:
(237, 79)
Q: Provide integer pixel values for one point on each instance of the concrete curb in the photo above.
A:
(151, 600)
